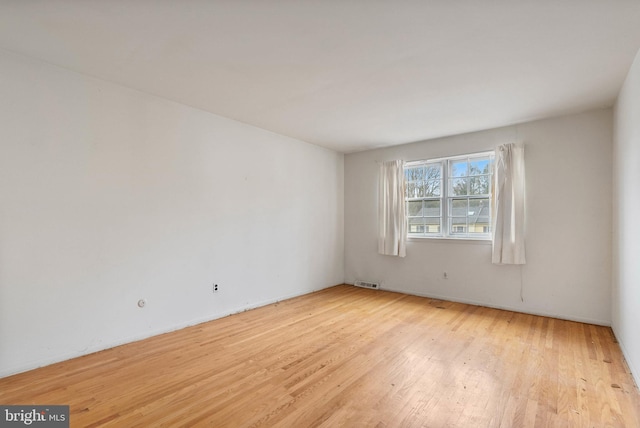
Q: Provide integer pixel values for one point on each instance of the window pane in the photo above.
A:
(479, 185)
(415, 173)
(479, 166)
(432, 188)
(433, 172)
(474, 185)
(415, 190)
(479, 228)
(431, 208)
(432, 225)
(459, 208)
(410, 189)
(479, 216)
(414, 208)
(458, 186)
(416, 225)
(458, 225)
(458, 169)
(479, 206)
(486, 184)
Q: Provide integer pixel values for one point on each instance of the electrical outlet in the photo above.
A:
(215, 288)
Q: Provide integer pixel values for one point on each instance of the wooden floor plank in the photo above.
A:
(347, 356)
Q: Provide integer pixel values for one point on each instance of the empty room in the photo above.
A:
(319, 213)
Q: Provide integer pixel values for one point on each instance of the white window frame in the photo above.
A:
(446, 199)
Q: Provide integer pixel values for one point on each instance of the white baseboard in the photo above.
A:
(605, 323)
(9, 371)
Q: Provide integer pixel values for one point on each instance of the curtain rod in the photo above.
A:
(417, 161)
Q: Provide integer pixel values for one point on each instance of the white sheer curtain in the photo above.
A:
(508, 219)
(392, 222)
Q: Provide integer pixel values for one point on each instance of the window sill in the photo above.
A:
(462, 240)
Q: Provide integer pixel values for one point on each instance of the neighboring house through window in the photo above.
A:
(450, 197)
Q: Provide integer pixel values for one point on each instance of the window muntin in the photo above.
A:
(450, 197)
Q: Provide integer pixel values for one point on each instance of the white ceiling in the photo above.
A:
(344, 74)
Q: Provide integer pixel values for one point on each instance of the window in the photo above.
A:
(450, 197)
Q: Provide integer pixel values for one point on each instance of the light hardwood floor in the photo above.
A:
(350, 357)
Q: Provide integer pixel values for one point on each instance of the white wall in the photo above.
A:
(109, 195)
(568, 274)
(626, 205)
